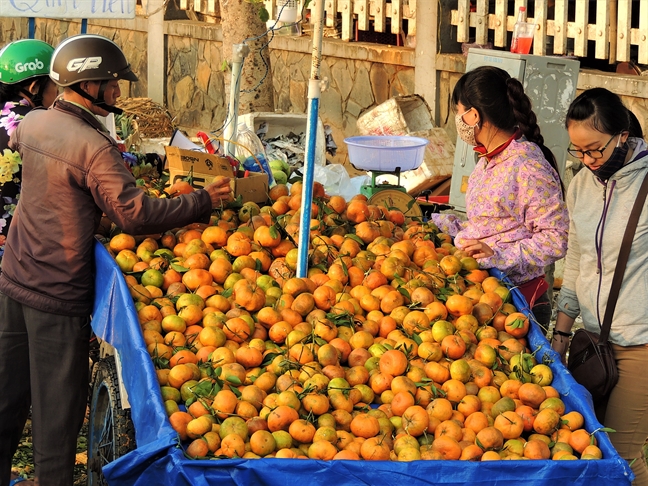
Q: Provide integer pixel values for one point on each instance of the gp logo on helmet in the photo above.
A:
(83, 63)
(21, 67)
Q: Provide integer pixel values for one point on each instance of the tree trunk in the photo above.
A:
(240, 21)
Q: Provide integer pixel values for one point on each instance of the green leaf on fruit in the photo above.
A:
(355, 238)
(179, 268)
(233, 379)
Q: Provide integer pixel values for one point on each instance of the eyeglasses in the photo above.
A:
(593, 154)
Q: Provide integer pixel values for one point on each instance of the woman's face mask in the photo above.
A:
(591, 158)
(613, 163)
(466, 132)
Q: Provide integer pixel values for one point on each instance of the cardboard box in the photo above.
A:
(437, 165)
(400, 115)
(411, 115)
(204, 167)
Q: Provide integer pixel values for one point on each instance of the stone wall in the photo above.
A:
(132, 41)
(360, 75)
(357, 81)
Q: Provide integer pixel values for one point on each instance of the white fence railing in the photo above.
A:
(338, 12)
(615, 29)
(567, 22)
(207, 7)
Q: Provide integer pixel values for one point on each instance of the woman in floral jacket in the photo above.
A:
(517, 220)
(24, 85)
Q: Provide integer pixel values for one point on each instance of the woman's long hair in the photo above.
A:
(605, 112)
(501, 100)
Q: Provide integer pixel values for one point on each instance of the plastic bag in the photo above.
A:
(336, 180)
(249, 150)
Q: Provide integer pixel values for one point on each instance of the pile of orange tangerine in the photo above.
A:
(395, 347)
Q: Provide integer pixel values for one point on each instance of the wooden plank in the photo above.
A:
(540, 36)
(580, 24)
(346, 10)
(270, 7)
(463, 21)
(330, 12)
(560, 27)
(623, 30)
(612, 31)
(361, 8)
(379, 9)
(501, 16)
(409, 13)
(211, 7)
(642, 41)
(396, 17)
(481, 17)
(601, 35)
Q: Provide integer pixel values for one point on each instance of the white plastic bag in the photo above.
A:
(336, 180)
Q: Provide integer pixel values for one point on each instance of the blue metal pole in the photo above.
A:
(84, 26)
(314, 92)
(32, 27)
(309, 179)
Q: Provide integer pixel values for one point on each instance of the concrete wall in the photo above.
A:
(360, 75)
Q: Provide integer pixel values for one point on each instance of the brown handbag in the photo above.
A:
(591, 358)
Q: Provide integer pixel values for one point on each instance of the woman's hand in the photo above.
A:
(477, 249)
(561, 335)
(560, 344)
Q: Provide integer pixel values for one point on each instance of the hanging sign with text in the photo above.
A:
(69, 9)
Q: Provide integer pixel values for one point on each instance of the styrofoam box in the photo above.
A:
(284, 123)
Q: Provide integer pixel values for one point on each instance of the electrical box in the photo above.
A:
(550, 83)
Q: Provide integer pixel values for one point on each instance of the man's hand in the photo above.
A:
(477, 249)
(219, 191)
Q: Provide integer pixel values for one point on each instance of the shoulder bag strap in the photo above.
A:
(622, 261)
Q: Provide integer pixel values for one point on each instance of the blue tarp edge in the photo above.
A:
(158, 459)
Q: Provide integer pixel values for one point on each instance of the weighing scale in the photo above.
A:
(387, 155)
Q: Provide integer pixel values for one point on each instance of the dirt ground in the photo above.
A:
(23, 461)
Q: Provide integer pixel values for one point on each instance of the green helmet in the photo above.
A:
(24, 59)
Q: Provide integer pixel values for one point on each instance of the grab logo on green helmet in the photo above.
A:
(83, 63)
(22, 67)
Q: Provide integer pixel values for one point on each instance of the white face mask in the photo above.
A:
(466, 132)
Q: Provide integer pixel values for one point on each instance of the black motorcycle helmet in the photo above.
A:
(90, 57)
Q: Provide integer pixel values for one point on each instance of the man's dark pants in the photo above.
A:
(43, 363)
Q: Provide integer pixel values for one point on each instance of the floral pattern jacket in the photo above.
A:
(514, 203)
(10, 174)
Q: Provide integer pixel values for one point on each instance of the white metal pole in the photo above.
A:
(156, 50)
(425, 72)
(239, 51)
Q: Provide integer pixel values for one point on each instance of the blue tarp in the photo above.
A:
(159, 460)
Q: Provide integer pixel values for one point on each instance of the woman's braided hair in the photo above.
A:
(501, 100)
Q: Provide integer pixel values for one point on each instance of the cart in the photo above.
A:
(158, 458)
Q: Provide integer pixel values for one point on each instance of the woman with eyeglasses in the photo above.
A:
(517, 219)
(608, 140)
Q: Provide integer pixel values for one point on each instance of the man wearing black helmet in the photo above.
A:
(72, 173)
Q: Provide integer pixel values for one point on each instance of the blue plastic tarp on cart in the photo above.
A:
(159, 458)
